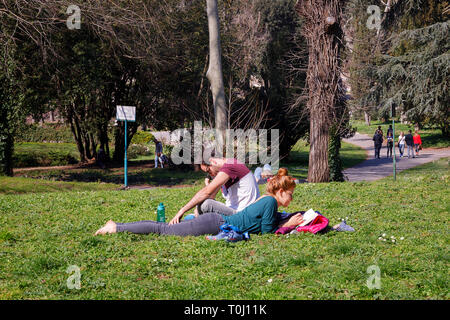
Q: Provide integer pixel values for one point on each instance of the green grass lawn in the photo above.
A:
(42, 234)
(19, 185)
(137, 175)
(34, 154)
(42, 154)
(351, 154)
(431, 138)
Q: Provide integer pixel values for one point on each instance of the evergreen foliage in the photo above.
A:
(415, 76)
(410, 70)
(152, 55)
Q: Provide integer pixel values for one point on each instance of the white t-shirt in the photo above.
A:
(241, 189)
(401, 140)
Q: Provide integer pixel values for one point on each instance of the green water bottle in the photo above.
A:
(161, 213)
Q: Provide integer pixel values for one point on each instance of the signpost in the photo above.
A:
(393, 137)
(127, 114)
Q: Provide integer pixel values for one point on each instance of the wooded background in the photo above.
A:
(298, 66)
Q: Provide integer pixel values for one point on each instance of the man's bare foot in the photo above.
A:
(109, 227)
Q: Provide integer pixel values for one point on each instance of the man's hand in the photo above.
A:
(177, 217)
(205, 193)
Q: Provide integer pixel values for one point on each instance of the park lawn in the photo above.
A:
(139, 172)
(42, 154)
(351, 155)
(137, 175)
(20, 185)
(42, 234)
(34, 154)
(431, 138)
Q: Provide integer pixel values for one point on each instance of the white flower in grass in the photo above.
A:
(269, 281)
(383, 235)
(402, 238)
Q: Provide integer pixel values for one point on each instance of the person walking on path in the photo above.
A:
(371, 169)
(390, 144)
(379, 130)
(409, 140)
(401, 143)
(390, 131)
(378, 141)
(417, 142)
(158, 152)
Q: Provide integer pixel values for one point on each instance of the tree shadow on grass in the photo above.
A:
(135, 176)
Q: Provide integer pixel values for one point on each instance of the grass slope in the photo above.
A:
(19, 185)
(42, 234)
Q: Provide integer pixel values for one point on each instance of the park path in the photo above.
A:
(374, 169)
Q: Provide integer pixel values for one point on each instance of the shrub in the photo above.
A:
(142, 138)
(136, 150)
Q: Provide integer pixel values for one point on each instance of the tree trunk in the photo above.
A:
(119, 140)
(381, 32)
(214, 73)
(76, 132)
(87, 146)
(102, 136)
(367, 118)
(445, 128)
(6, 154)
(324, 37)
(119, 144)
(318, 168)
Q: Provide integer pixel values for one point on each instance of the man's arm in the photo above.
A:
(205, 193)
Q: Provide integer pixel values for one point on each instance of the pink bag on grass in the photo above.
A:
(318, 224)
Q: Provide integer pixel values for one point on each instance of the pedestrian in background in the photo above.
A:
(378, 142)
(417, 142)
(401, 143)
(158, 152)
(409, 140)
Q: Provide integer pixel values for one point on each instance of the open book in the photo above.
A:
(308, 217)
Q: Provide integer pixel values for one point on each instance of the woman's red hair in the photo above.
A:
(280, 181)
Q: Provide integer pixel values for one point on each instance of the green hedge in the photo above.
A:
(45, 133)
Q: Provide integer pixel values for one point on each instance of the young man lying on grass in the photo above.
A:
(259, 217)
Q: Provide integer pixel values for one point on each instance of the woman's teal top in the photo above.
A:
(259, 217)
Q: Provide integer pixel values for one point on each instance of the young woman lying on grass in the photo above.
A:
(259, 217)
